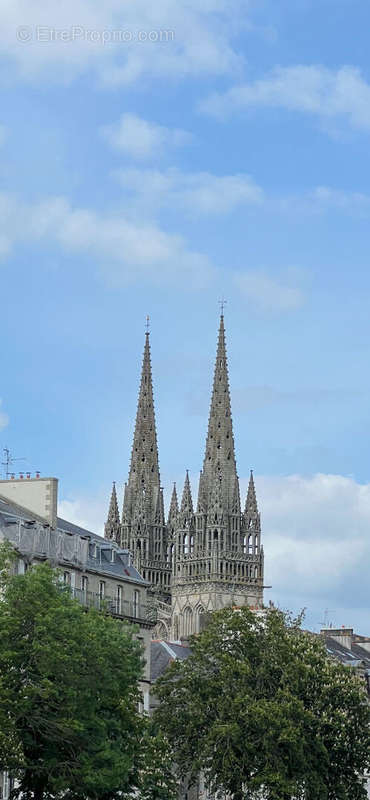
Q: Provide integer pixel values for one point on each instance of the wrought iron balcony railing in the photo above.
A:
(135, 611)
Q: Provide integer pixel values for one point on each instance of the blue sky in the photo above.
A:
(225, 155)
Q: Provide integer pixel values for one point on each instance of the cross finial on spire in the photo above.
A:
(147, 323)
(222, 303)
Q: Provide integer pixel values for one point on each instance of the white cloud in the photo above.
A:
(196, 193)
(328, 94)
(120, 43)
(266, 293)
(140, 139)
(126, 251)
(87, 512)
(316, 535)
(4, 419)
(323, 198)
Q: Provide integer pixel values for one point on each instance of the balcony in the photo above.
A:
(139, 613)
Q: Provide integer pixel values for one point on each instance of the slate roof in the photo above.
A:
(11, 514)
(162, 653)
(354, 657)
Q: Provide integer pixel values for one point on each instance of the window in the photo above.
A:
(136, 602)
(101, 589)
(188, 621)
(67, 578)
(84, 583)
(119, 599)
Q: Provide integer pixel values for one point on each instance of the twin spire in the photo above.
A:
(218, 479)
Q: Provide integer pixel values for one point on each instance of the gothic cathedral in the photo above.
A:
(199, 560)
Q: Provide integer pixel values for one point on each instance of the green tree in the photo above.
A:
(68, 691)
(262, 711)
(157, 776)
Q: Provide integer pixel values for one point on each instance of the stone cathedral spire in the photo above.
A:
(207, 555)
(143, 529)
(112, 525)
(219, 466)
(218, 556)
(187, 500)
(144, 467)
(174, 507)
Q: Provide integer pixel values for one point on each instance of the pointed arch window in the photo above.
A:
(188, 621)
(200, 611)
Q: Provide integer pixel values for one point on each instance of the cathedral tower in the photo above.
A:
(217, 557)
(143, 530)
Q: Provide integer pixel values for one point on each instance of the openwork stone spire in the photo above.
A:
(218, 558)
(143, 485)
(174, 507)
(112, 525)
(219, 461)
(251, 501)
(143, 530)
(187, 500)
(144, 469)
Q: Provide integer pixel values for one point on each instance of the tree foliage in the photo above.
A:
(262, 711)
(157, 776)
(69, 719)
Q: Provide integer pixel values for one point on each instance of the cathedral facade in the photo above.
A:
(203, 557)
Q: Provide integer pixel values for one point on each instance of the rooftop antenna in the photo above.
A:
(8, 461)
(325, 623)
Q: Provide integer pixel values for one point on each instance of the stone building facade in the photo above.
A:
(99, 573)
(203, 557)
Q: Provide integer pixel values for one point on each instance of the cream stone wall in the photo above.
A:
(38, 495)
